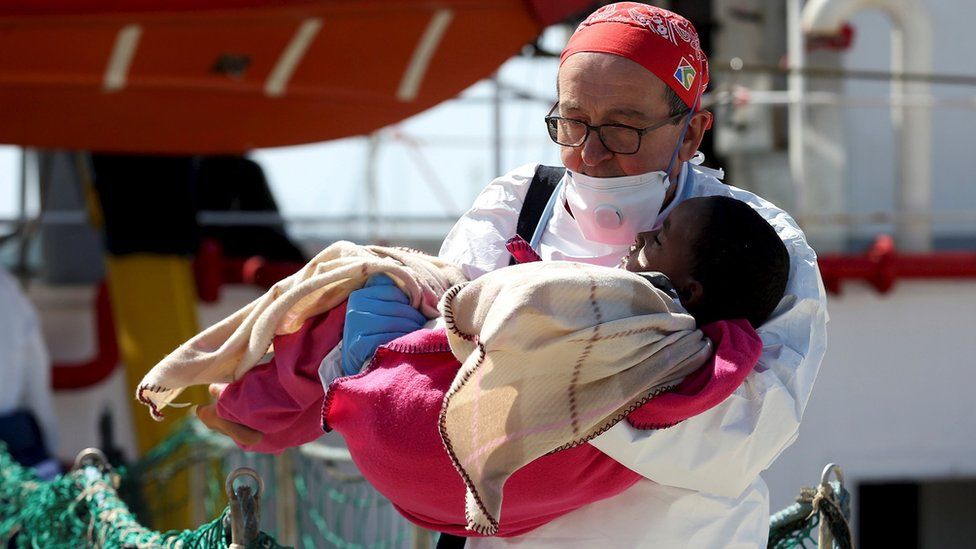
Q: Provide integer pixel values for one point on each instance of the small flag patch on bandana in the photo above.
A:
(685, 74)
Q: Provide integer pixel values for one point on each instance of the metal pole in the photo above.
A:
(197, 473)
(911, 51)
(497, 125)
(286, 519)
(420, 538)
(22, 217)
(796, 110)
(22, 221)
(372, 188)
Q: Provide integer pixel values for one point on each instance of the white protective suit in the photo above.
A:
(702, 486)
(25, 369)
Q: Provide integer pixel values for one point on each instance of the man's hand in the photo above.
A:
(377, 313)
(242, 434)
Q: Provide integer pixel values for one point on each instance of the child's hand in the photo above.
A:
(377, 314)
(242, 434)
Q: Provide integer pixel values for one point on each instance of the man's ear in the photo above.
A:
(691, 294)
(700, 121)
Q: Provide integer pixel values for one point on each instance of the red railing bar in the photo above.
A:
(882, 266)
(78, 375)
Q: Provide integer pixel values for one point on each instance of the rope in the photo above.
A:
(794, 526)
(826, 503)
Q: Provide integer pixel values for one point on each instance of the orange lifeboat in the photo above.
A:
(226, 76)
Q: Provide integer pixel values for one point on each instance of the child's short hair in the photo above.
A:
(740, 261)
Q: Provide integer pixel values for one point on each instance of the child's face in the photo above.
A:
(669, 250)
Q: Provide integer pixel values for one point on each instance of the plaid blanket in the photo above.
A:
(227, 350)
(552, 355)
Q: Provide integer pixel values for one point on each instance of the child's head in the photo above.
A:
(724, 260)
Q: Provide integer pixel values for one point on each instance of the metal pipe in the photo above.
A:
(372, 186)
(26, 156)
(796, 83)
(734, 66)
(911, 52)
(497, 127)
(744, 96)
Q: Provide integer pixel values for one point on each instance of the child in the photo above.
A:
(722, 259)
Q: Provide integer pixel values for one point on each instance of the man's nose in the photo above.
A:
(593, 152)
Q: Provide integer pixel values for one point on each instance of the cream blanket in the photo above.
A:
(552, 355)
(227, 350)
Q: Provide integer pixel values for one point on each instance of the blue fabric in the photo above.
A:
(376, 314)
(19, 430)
(689, 184)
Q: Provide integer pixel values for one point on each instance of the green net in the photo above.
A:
(83, 508)
(313, 497)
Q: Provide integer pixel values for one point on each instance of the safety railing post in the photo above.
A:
(421, 538)
(285, 504)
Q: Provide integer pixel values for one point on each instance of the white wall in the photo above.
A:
(894, 398)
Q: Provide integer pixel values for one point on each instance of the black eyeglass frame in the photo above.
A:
(551, 125)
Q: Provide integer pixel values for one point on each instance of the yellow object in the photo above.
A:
(95, 216)
(154, 304)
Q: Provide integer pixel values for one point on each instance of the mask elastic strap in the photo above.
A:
(684, 129)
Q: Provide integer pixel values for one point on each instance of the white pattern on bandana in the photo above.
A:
(652, 20)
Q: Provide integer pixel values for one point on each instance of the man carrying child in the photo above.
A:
(629, 123)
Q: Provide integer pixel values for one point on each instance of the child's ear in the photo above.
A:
(691, 293)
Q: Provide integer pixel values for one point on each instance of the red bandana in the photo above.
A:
(663, 42)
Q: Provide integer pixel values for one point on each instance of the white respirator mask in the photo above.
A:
(612, 210)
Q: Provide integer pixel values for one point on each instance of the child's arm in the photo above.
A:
(280, 400)
(286, 414)
(207, 414)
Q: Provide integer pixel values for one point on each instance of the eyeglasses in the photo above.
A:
(617, 138)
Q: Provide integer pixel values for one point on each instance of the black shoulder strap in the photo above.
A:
(450, 541)
(540, 189)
